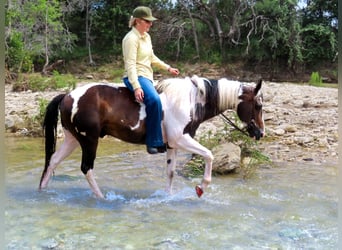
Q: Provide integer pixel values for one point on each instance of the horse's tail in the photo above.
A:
(50, 130)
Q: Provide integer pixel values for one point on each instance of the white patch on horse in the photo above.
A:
(77, 93)
(229, 92)
(199, 95)
(142, 115)
(177, 110)
(163, 101)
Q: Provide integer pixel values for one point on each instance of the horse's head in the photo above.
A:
(249, 110)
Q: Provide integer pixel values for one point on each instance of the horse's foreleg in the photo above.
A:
(68, 145)
(171, 165)
(187, 143)
(208, 157)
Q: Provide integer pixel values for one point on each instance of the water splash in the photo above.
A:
(112, 196)
(156, 198)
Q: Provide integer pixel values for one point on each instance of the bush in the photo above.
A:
(39, 118)
(37, 82)
(315, 79)
(58, 81)
(17, 58)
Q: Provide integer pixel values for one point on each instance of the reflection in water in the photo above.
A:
(279, 207)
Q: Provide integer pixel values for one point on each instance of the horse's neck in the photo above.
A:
(228, 94)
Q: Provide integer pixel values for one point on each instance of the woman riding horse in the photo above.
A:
(95, 110)
(138, 58)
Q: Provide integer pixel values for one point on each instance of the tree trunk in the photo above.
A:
(194, 32)
(88, 31)
(46, 45)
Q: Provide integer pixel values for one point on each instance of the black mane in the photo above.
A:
(203, 113)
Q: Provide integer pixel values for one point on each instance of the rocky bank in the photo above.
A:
(301, 120)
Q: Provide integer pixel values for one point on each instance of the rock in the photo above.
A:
(13, 123)
(288, 128)
(227, 157)
(304, 140)
(291, 129)
(22, 108)
(279, 131)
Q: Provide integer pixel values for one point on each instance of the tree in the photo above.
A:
(324, 12)
(276, 32)
(319, 42)
(42, 33)
(319, 30)
(268, 32)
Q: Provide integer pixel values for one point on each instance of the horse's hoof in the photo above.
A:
(199, 191)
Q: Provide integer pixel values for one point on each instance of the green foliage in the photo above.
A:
(213, 57)
(277, 33)
(37, 82)
(259, 31)
(17, 58)
(113, 72)
(321, 13)
(59, 81)
(320, 43)
(34, 82)
(36, 31)
(39, 118)
(195, 166)
(315, 79)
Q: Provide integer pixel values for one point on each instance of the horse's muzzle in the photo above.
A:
(254, 131)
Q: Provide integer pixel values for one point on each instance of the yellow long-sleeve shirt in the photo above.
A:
(139, 57)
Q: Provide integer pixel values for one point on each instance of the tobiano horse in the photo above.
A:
(95, 110)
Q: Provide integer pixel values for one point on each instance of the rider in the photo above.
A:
(139, 57)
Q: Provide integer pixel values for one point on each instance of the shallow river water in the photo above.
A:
(283, 206)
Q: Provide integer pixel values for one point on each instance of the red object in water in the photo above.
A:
(199, 191)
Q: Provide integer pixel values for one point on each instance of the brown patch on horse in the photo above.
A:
(249, 109)
(102, 111)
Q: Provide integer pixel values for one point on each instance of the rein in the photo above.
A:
(227, 120)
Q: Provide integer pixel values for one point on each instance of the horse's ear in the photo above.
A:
(194, 80)
(258, 87)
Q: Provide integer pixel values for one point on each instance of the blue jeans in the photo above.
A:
(154, 137)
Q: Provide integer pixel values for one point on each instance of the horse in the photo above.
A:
(94, 110)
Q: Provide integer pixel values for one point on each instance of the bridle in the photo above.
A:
(227, 120)
(250, 130)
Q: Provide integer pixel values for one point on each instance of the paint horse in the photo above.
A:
(94, 110)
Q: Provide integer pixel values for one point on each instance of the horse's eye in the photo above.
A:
(258, 106)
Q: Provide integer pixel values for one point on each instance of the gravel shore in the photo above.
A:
(301, 120)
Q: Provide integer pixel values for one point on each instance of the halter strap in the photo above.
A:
(227, 120)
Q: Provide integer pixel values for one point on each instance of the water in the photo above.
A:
(278, 207)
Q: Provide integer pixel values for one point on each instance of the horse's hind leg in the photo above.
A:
(171, 166)
(67, 147)
(93, 184)
(89, 147)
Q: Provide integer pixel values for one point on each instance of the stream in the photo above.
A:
(279, 206)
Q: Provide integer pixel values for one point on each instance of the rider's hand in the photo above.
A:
(139, 95)
(173, 71)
